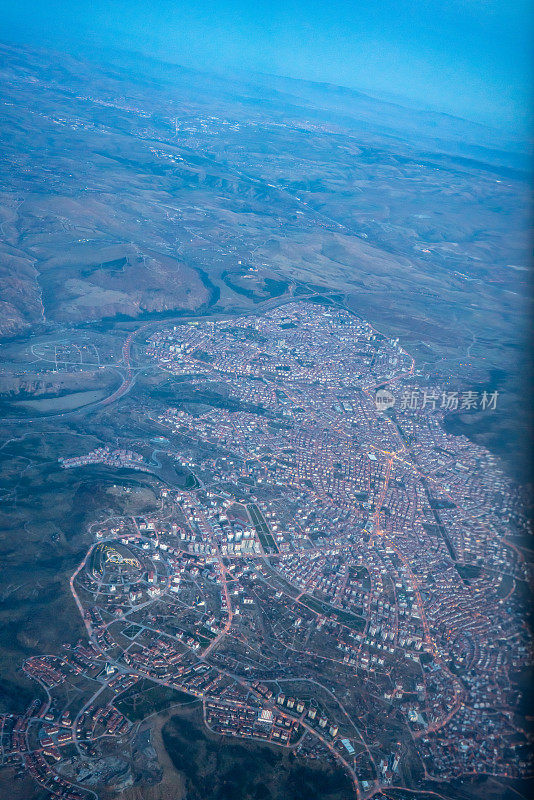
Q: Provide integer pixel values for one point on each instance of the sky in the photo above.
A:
(471, 58)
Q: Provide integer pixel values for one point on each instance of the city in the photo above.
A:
(338, 580)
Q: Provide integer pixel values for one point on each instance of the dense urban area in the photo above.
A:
(336, 578)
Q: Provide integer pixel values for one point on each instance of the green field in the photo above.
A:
(262, 529)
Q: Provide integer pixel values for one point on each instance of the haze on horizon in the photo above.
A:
(470, 58)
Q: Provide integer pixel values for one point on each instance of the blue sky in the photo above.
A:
(468, 57)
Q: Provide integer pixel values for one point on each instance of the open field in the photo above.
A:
(217, 768)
